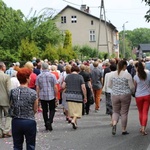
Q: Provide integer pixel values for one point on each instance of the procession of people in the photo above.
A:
(33, 88)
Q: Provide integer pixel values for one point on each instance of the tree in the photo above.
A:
(38, 28)
(45, 33)
(67, 40)
(28, 50)
(147, 16)
(11, 22)
(50, 53)
(133, 39)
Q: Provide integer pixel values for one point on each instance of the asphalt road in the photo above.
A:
(93, 133)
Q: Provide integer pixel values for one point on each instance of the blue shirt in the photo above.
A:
(10, 72)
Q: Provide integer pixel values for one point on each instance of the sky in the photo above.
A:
(129, 13)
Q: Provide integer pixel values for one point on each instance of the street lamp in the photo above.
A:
(124, 38)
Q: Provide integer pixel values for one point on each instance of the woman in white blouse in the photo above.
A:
(122, 87)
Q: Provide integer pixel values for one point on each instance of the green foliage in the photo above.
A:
(7, 55)
(133, 39)
(147, 16)
(50, 53)
(86, 52)
(28, 50)
(10, 24)
(39, 29)
(45, 33)
(68, 39)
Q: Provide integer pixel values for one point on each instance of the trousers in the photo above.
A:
(121, 105)
(143, 104)
(48, 110)
(97, 96)
(23, 128)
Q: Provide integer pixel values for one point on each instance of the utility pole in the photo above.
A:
(106, 29)
(124, 44)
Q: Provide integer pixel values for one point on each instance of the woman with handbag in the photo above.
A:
(142, 95)
(24, 105)
(75, 94)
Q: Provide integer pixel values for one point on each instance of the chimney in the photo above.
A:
(85, 9)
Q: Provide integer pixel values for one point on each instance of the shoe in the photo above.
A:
(74, 126)
(7, 135)
(113, 129)
(49, 126)
(96, 111)
(125, 133)
(69, 120)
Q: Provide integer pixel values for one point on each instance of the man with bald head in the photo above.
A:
(5, 87)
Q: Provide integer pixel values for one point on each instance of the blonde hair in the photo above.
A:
(29, 65)
(87, 69)
(53, 67)
(82, 67)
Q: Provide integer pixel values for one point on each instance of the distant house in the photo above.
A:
(142, 48)
(85, 29)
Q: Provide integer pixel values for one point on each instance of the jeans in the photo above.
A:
(48, 107)
(21, 128)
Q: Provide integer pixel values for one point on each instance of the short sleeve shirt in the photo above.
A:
(22, 102)
(46, 82)
(143, 86)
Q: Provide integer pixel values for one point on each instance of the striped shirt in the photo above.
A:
(46, 82)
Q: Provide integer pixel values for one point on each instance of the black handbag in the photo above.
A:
(91, 100)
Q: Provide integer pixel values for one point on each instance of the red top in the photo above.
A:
(58, 85)
(32, 80)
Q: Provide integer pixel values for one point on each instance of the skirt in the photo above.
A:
(75, 109)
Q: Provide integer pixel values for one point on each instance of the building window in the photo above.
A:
(74, 19)
(92, 22)
(92, 36)
(63, 19)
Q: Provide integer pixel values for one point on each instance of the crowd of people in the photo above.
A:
(39, 86)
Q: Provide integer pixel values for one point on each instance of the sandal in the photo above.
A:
(140, 130)
(74, 126)
(144, 133)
